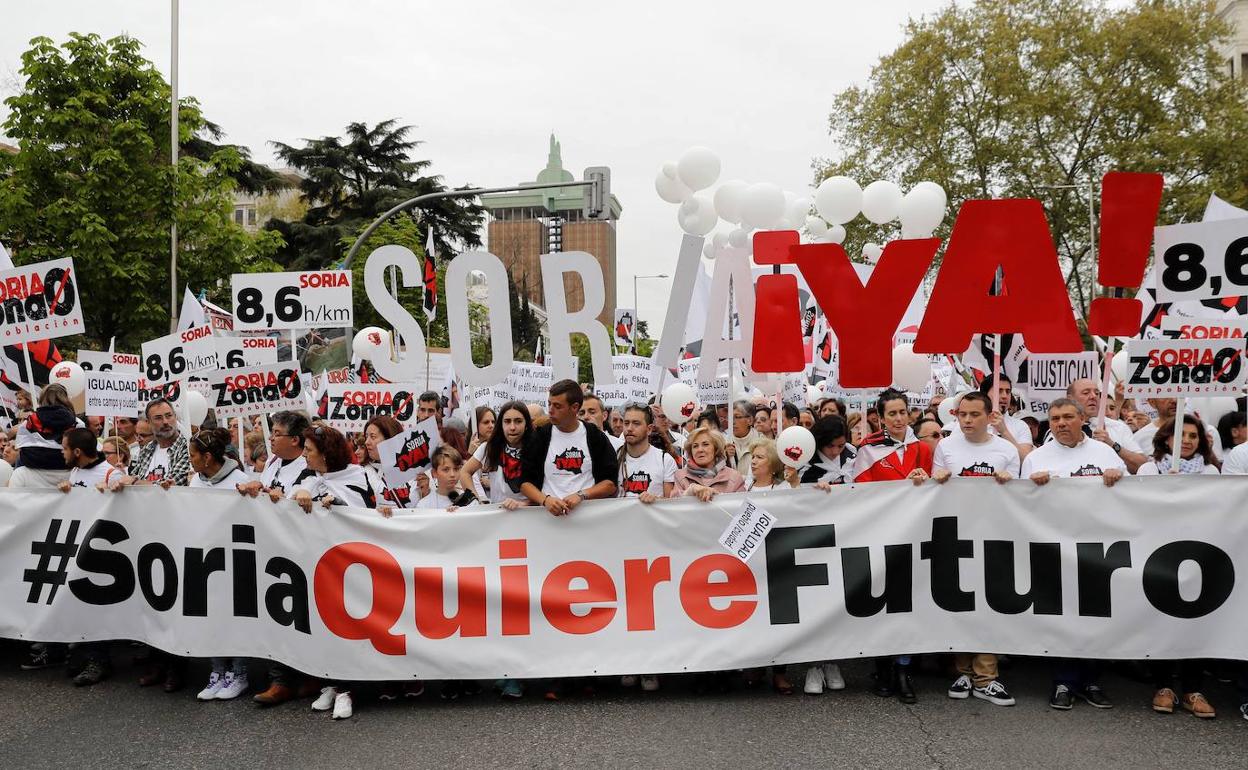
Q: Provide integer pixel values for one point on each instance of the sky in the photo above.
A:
(625, 85)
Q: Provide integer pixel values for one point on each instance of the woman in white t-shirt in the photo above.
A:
(499, 457)
(767, 472)
(1195, 450)
(207, 452)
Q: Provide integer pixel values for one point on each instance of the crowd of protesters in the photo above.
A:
(573, 449)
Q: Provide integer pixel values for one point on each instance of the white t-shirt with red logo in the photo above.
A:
(647, 473)
(569, 468)
(159, 466)
(505, 479)
(1087, 458)
(99, 472)
(964, 458)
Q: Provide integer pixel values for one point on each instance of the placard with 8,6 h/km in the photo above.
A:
(179, 355)
(259, 389)
(291, 300)
(1180, 368)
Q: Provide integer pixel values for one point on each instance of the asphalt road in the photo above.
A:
(45, 722)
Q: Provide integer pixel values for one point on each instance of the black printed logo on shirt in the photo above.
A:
(571, 459)
(511, 467)
(1087, 470)
(637, 483)
(978, 469)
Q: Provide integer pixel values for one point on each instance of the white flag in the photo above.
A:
(192, 314)
(6, 262)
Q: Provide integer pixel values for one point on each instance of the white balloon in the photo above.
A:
(813, 394)
(698, 168)
(720, 238)
(835, 234)
(795, 445)
(729, 198)
(1119, 365)
(911, 371)
(922, 211)
(947, 411)
(708, 250)
(670, 189)
(935, 189)
(680, 403)
(1211, 409)
(739, 238)
(816, 227)
(839, 199)
(669, 169)
(764, 206)
(872, 252)
(881, 201)
(697, 215)
(70, 375)
(196, 407)
(370, 342)
(799, 210)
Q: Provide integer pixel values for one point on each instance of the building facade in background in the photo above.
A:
(525, 226)
(1235, 12)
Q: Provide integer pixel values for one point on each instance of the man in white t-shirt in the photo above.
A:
(1117, 435)
(1236, 462)
(971, 452)
(1002, 423)
(593, 413)
(286, 466)
(646, 472)
(1071, 453)
(567, 461)
(87, 467)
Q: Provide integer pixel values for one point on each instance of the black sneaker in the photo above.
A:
(450, 691)
(1062, 698)
(1243, 710)
(961, 688)
(995, 693)
(92, 673)
(43, 655)
(903, 685)
(1094, 696)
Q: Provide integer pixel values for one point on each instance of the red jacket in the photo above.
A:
(877, 457)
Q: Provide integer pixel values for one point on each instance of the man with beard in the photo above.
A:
(164, 461)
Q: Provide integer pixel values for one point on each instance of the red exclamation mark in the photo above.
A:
(1129, 205)
(777, 310)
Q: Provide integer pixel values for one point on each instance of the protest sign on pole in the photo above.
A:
(404, 455)
(624, 328)
(1201, 260)
(1049, 374)
(256, 390)
(531, 383)
(350, 406)
(1179, 368)
(170, 391)
(264, 301)
(121, 363)
(110, 394)
(1178, 328)
(242, 352)
(179, 355)
(39, 302)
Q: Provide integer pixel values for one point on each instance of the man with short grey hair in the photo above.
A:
(1116, 435)
(286, 466)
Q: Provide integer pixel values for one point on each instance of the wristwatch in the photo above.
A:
(1117, 448)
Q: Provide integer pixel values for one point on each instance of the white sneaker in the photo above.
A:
(814, 681)
(342, 705)
(649, 683)
(628, 680)
(234, 686)
(832, 677)
(325, 701)
(215, 683)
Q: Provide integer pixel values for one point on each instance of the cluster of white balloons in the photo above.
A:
(839, 200)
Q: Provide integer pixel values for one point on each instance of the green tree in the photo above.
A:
(92, 181)
(1011, 98)
(349, 181)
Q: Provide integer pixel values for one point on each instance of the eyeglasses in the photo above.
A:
(275, 434)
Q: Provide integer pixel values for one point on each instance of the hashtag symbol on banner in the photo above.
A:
(51, 547)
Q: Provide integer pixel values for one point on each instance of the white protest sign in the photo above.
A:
(1176, 328)
(406, 454)
(1180, 368)
(614, 396)
(94, 360)
(436, 376)
(531, 383)
(493, 396)
(350, 406)
(1201, 260)
(1049, 374)
(716, 392)
(291, 300)
(747, 531)
(624, 327)
(793, 389)
(170, 391)
(179, 355)
(242, 352)
(256, 390)
(112, 395)
(39, 302)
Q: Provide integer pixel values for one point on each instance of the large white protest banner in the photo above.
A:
(1172, 368)
(1071, 569)
(110, 394)
(1049, 374)
(291, 300)
(179, 355)
(122, 363)
(256, 390)
(350, 406)
(39, 302)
